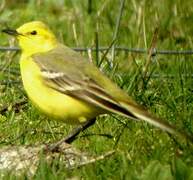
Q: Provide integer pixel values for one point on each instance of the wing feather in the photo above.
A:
(86, 91)
(66, 71)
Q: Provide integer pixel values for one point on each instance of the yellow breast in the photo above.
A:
(51, 102)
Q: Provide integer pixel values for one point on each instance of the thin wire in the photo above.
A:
(9, 48)
(120, 48)
(139, 50)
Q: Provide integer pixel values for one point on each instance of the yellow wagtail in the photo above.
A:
(66, 86)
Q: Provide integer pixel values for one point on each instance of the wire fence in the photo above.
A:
(120, 48)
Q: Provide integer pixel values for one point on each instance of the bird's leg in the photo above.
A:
(72, 135)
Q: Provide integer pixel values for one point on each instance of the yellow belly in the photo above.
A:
(53, 103)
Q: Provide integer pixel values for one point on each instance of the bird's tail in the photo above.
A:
(140, 113)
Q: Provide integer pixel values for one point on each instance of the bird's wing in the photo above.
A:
(68, 72)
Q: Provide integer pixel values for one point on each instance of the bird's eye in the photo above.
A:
(33, 33)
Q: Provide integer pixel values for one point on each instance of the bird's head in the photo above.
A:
(34, 37)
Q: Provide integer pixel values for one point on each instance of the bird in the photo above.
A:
(66, 86)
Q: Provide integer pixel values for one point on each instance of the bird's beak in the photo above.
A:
(11, 32)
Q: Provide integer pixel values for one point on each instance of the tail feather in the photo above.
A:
(142, 114)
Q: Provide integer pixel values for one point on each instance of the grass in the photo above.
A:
(142, 151)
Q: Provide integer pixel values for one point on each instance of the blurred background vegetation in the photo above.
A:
(142, 152)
